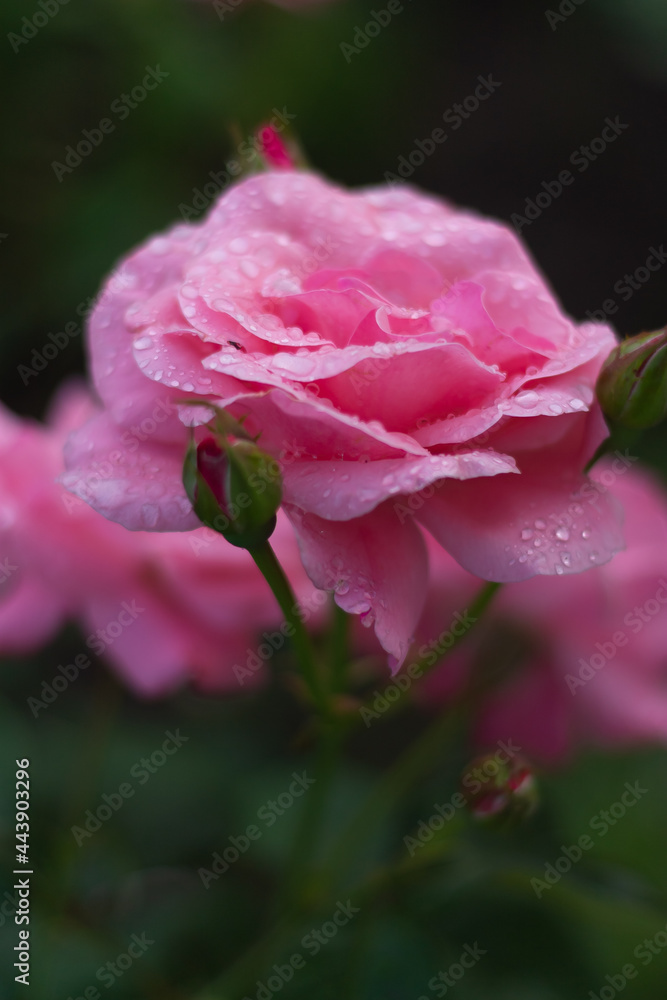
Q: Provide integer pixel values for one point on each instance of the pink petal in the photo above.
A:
(548, 520)
(376, 566)
(340, 491)
(30, 615)
(288, 423)
(138, 484)
(402, 383)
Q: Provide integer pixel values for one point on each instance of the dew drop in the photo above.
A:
(540, 524)
(527, 399)
(562, 534)
(238, 245)
(526, 534)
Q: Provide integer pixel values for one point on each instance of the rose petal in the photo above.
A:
(376, 566)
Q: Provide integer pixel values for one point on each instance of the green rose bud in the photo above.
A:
(235, 488)
(499, 792)
(632, 385)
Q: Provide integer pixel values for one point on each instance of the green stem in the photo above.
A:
(314, 807)
(421, 756)
(272, 572)
(422, 667)
(339, 650)
(231, 984)
(330, 740)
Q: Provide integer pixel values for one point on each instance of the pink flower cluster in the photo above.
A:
(403, 360)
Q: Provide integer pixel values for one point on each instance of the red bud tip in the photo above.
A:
(274, 150)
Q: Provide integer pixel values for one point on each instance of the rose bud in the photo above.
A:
(273, 150)
(632, 385)
(235, 488)
(499, 793)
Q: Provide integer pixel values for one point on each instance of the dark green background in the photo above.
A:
(139, 873)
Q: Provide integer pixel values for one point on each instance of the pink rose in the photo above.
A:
(591, 663)
(405, 362)
(170, 607)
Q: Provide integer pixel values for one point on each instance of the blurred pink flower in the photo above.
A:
(404, 360)
(203, 603)
(594, 663)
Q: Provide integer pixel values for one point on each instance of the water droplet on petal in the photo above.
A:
(527, 399)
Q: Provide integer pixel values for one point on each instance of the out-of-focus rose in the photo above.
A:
(586, 657)
(164, 609)
(403, 360)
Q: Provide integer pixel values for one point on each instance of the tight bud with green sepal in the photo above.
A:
(632, 385)
(235, 488)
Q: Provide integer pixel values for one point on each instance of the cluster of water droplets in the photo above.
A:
(547, 544)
